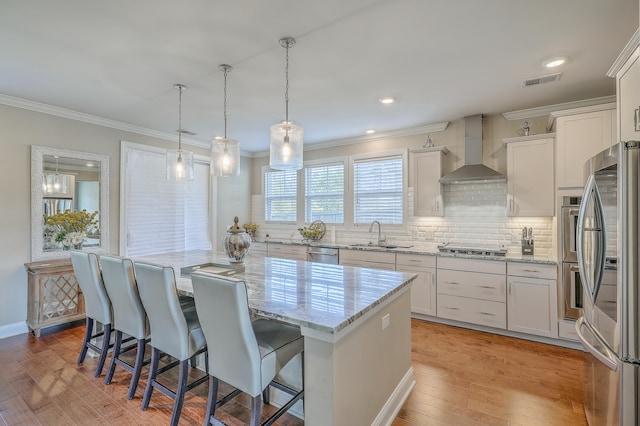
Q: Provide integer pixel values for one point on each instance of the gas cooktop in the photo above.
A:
(470, 250)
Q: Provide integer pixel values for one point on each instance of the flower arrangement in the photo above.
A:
(71, 228)
(251, 228)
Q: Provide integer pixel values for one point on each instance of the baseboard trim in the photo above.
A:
(13, 329)
(387, 415)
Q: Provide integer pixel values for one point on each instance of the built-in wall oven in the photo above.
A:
(571, 283)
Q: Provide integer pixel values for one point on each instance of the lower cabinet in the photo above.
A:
(532, 299)
(287, 251)
(473, 291)
(423, 290)
(368, 259)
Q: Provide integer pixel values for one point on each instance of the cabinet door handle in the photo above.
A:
(452, 309)
(487, 313)
(509, 289)
(487, 286)
(452, 282)
(531, 270)
(433, 279)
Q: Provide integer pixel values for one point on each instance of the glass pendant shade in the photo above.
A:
(226, 157)
(55, 183)
(179, 165)
(285, 146)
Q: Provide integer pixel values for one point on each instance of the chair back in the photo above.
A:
(234, 355)
(119, 279)
(157, 289)
(87, 271)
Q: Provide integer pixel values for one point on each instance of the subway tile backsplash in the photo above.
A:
(475, 214)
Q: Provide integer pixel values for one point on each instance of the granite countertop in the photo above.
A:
(427, 249)
(323, 297)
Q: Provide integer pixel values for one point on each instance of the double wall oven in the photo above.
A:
(571, 284)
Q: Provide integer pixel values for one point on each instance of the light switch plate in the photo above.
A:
(385, 321)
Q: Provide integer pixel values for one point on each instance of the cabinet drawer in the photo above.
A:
(481, 312)
(472, 265)
(287, 251)
(369, 256)
(472, 285)
(416, 260)
(533, 270)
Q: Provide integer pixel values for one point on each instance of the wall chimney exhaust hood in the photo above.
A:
(473, 170)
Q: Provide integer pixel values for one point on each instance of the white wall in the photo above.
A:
(21, 129)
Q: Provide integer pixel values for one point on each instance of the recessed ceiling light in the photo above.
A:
(370, 131)
(388, 99)
(555, 62)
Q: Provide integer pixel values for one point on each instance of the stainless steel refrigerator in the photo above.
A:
(608, 246)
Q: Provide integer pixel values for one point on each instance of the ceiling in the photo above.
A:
(441, 59)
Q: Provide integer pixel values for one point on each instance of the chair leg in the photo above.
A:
(105, 350)
(135, 377)
(153, 373)
(87, 338)
(182, 388)
(114, 356)
(211, 400)
(266, 395)
(256, 410)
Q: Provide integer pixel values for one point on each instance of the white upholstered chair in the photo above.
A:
(243, 353)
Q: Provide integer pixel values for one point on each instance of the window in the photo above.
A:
(377, 190)
(162, 216)
(280, 195)
(324, 193)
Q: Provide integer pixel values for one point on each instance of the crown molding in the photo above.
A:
(626, 53)
(12, 101)
(429, 128)
(546, 110)
(582, 110)
(506, 141)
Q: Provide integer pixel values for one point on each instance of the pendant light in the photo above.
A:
(285, 144)
(225, 153)
(55, 183)
(179, 162)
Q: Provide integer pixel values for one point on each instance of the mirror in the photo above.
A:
(68, 181)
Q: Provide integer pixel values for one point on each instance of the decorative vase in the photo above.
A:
(236, 243)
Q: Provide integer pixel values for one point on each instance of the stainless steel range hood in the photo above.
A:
(473, 170)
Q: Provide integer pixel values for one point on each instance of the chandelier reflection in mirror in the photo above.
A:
(54, 183)
(285, 142)
(225, 153)
(180, 162)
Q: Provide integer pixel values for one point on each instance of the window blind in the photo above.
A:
(378, 190)
(163, 216)
(324, 193)
(280, 192)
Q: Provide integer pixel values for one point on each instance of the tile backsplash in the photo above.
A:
(475, 214)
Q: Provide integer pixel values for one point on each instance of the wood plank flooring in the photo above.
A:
(462, 377)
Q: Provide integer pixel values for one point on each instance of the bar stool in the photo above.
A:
(97, 305)
(129, 317)
(175, 331)
(243, 353)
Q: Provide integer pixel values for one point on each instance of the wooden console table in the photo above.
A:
(54, 296)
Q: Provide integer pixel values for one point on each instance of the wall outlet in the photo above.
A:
(385, 321)
(515, 237)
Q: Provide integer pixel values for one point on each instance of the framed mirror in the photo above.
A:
(69, 202)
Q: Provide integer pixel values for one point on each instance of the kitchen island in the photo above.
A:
(355, 323)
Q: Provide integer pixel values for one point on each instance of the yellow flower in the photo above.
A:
(68, 222)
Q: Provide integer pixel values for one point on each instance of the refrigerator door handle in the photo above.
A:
(608, 358)
(591, 284)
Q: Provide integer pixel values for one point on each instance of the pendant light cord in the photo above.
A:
(286, 91)
(226, 70)
(180, 87)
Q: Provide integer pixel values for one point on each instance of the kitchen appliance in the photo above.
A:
(471, 250)
(527, 241)
(322, 255)
(571, 283)
(608, 259)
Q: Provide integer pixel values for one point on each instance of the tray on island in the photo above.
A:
(212, 268)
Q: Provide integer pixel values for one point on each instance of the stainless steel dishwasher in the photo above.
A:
(322, 254)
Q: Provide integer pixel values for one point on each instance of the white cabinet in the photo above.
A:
(426, 167)
(580, 134)
(532, 299)
(423, 291)
(472, 290)
(628, 81)
(287, 251)
(368, 259)
(530, 172)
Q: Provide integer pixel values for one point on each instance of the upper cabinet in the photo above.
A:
(426, 166)
(581, 133)
(628, 85)
(530, 190)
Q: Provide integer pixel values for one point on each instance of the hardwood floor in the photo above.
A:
(462, 377)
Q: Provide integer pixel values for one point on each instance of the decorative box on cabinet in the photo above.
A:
(53, 295)
(530, 183)
(426, 167)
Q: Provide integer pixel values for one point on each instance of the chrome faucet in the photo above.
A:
(381, 240)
